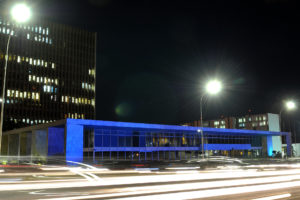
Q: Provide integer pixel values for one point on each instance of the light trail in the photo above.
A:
(281, 196)
(147, 179)
(146, 190)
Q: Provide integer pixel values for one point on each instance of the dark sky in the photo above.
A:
(154, 56)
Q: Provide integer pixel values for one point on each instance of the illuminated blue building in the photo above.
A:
(77, 139)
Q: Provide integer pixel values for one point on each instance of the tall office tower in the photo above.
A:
(51, 73)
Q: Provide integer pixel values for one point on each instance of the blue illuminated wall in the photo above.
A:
(56, 141)
(74, 142)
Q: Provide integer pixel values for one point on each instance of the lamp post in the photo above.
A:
(288, 106)
(213, 87)
(20, 13)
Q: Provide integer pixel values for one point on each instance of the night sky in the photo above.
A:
(154, 56)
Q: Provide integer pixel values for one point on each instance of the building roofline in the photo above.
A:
(167, 127)
(36, 127)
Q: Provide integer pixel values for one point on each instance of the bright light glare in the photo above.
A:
(21, 13)
(213, 87)
(290, 105)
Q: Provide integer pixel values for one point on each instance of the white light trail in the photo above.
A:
(146, 190)
(281, 196)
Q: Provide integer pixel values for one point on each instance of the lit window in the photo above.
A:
(47, 40)
(33, 95)
(53, 66)
(240, 120)
(28, 36)
(48, 88)
(30, 61)
(62, 98)
(56, 81)
(264, 118)
(25, 94)
(34, 62)
(19, 59)
(37, 96)
(216, 123)
(29, 78)
(17, 93)
(46, 64)
(45, 88)
(21, 94)
(73, 100)
(47, 31)
(249, 119)
(82, 85)
(33, 77)
(8, 93)
(38, 62)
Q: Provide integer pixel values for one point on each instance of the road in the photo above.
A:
(257, 182)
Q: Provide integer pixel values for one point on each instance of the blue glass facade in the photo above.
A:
(78, 139)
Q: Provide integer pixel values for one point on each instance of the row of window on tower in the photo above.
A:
(31, 122)
(36, 29)
(45, 80)
(22, 95)
(74, 116)
(31, 61)
(29, 36)
(79, 100)
(88, 86)
(92, 72)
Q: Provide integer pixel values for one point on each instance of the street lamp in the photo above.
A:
(213, 87)
(289, 106)
(20, 13)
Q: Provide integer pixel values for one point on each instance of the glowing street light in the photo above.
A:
(290, 105)
(212, 87)
(20, 13)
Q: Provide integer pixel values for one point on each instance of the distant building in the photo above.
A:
(264, 122)
(267, 122)
(50, 74)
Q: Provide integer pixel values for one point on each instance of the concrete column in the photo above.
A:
(74, 142)
(39, 143)
(289, 144)
(269, 145)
